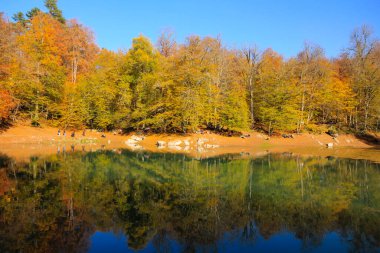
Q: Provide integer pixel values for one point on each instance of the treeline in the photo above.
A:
(52, 69)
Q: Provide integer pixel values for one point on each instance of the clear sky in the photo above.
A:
(283, 25)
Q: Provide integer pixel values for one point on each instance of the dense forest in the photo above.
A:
(51, 70)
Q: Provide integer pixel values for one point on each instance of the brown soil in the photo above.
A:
(22, 141)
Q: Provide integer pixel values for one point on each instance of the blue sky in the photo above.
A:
(283, 25)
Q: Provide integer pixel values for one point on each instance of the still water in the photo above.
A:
(122, 201)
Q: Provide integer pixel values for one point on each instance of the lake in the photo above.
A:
(122, 201)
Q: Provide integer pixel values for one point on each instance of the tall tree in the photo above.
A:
(7, 66)
(81, 49)
(365, 75)
(166, 43)
(142, 61)
(252, 62)
(276, 94)
(44, 48)
(56, 13)
(33, 12)
(20, 18)
(311, 73)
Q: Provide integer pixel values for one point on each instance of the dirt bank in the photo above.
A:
(23, 141)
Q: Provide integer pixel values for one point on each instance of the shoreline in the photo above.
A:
(22, 142)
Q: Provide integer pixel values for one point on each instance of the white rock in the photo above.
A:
(186, 142)
(134, 146)
(211, 146)
(130, 141)
(201, 141)
(137, 138)
(174, 143)
(330, 145)
(175, 147)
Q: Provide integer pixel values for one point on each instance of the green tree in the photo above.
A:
(276, 94)
(141, 66)
(54, 11)
(32, 13)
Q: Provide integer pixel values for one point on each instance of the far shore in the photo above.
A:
(22, 142)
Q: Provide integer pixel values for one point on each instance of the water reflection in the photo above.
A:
(78, 202)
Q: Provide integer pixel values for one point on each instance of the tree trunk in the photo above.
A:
(251, 101)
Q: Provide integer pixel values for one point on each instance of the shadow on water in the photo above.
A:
(80, 201)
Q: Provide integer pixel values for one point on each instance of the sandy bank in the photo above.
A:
(24, 141)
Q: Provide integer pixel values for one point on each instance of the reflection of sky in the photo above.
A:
(110, 242)
(280, 242)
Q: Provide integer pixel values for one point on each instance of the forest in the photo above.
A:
(52, 71)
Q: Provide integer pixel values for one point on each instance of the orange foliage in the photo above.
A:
(7, 103)
(81, 49)
(43, 41)
(6, 40)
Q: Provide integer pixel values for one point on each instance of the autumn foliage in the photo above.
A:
(54, 70)
(7, 103)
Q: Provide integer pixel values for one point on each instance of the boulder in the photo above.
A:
(243, 136)
(330, 145)
(332, 133)
(161, 143)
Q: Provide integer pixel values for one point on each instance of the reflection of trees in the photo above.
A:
(57, 202)
(33, 219)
